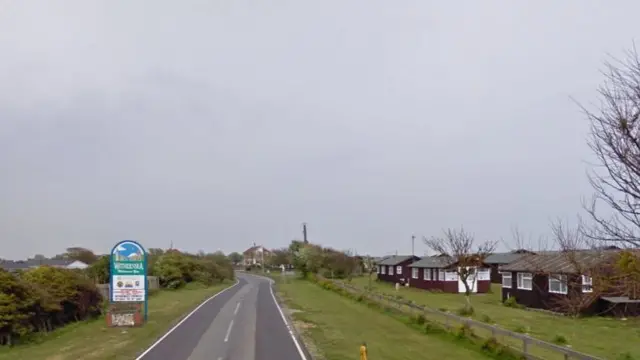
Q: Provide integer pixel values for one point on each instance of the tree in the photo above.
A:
(279, 257)
(235, 258)
(461, 248)
(81, 254)
(615, 141)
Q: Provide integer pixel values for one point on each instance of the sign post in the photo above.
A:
(128, 286)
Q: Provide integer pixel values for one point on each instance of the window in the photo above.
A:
(440, 275)
(587, 284)
(414, 273)
(451, 276)
(383, 269)
(525, 281)
(399, 270)
(484, 274)
(558, 284)
(390, 270)
(507, 279)
(427, 274)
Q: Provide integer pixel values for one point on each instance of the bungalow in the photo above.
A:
(496, 260)
(562, 282)
(440, 273)
(395, 269)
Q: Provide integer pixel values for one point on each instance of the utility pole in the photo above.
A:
(413, 245)
(304, 233)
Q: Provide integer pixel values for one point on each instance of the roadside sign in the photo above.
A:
(128, 278)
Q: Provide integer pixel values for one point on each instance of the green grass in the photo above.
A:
(599, 336)
(335, 326)
(93, 340)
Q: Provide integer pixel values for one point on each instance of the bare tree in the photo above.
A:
(461, 247)
(615, 141)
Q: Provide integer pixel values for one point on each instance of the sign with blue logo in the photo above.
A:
(128, 280)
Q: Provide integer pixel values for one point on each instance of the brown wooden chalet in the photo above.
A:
(496, 260)
(440, 273)
(395, 269)
(565, 281)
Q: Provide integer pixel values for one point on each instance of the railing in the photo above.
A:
(449, 320)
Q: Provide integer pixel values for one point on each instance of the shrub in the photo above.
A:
(463, 331)
(466, 311)
(420, 319)
(512, 303)
(560, 340)
(485, 318)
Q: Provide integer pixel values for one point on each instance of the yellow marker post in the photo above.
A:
(363, 351)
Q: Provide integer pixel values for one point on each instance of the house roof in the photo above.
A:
(22, 264)
(397, 259)
(255, 248)
(559, 261)
(503, 258)
(437, 262)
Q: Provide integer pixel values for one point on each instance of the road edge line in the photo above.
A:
(290, 327)
(166, 334)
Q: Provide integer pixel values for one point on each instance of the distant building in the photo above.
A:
(255, 255)
(33, 263)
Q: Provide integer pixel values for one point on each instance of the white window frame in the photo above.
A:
(414, 273)
(398, 270)
(452, 275)
(587, 284)
(507, 275)
(441, 276)
(561, 281)
(522, 276)
(483, 274)
(427, 274)
(390, 270)
(383, 269)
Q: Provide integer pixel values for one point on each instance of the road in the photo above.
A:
(243, 322)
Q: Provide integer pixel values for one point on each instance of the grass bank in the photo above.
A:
(335, 326)
(599, 336)
(93, 340)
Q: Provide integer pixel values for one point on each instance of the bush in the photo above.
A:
(463, 331)
(420, 319)
(560, 340)
(512, 303)
(42, 299)
(466, 311)
(485, 318)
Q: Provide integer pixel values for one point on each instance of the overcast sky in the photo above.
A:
(216, 124)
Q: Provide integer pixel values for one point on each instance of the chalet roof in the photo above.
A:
(397, 259)
(503, 258)
(436, 262)
(568, 262)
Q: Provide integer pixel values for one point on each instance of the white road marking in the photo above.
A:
(235, 312)
(226, 337)
(286, 323)
(182, 321)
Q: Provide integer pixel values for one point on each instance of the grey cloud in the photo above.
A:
(217, 124)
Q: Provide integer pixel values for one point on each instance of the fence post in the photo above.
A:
(525, 347)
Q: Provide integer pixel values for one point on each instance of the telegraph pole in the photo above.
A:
(304, 233)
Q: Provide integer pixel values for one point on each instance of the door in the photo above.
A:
(472, 280)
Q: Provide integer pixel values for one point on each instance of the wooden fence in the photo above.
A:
(153, 283)
(529, 347)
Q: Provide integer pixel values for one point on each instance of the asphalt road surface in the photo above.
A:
(241, 323)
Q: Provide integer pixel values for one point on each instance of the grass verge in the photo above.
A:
(599, 336)
(335, 326)
(93, 340)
